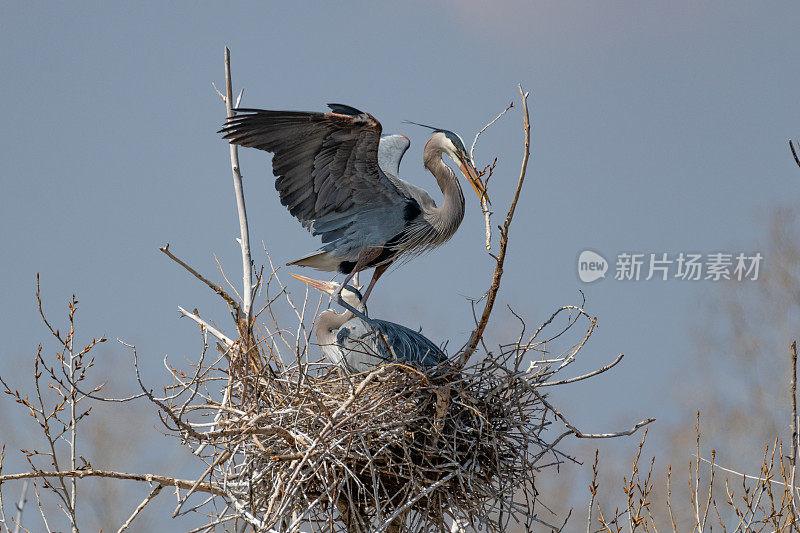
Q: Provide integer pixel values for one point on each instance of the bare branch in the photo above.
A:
(495, 119)
(501, 256)
(584, 376)
(20, 506)
(487, 213)
(244, 240)
(580, 434)
(746, 476)
(211, 329)
(216, 288)
(793, 403)
(148, 499)
(166, 481)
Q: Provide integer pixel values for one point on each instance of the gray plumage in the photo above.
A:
(336, 180)
(391, 149)
(357, 343)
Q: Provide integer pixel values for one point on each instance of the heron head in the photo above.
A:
(350, 294)
(453, 145)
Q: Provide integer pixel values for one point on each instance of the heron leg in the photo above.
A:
(379, 270)
(364, 258)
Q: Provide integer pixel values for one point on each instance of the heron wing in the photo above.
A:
(344, 109)
(406, 345)
(365, 345)
(327, 170)
(391, 148)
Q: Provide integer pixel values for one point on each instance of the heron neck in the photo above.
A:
(328, 323)
(449, 215)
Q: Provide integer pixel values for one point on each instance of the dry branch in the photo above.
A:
(244, 239)
(214, 287)
(793, 403)
(147, 478)
(153, 493)
(501, 256)
(487, 214)
(765, 501)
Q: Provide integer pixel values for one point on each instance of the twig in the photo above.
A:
(244, 240)
(580, 434)
(2, 505)
(216, 288)
(413, 500)
(41, 510)
(669, 499)
(495, 119)
(219, 460)
(695, 494)
(148, 498)
(211, 329)
(501, 256)
(584, 376)
(487, 214)
(761, 479)
(793, 458)
(147, 478)
(226, 395)
(20, 506)
(487, 218)
(593, 486)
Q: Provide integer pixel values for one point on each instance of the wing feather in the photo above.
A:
(326, 168)
(407, 344)
(363, 346)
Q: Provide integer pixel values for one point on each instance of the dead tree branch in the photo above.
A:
(244, 239)
(580, 434)
(793, 403)
(487, 213)
(501, 256)
(166, 481)
(216, 288)
(153, 493)
(588, 375)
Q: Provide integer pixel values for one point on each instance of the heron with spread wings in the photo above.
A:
(338, 177)
(357, 343)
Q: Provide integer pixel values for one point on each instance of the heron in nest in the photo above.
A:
(356, 343)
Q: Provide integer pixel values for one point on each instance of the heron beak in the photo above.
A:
(469, 171)
(328, 287)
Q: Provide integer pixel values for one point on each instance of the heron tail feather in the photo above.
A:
(320, 260)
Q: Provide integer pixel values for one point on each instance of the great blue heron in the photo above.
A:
(329, 176)
(357, 343)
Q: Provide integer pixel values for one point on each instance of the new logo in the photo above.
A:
(591, 266)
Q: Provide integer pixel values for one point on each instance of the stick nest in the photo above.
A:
(291, 444)
(370, 451)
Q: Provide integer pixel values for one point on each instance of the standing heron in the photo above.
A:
(357, 343)
(338, 183)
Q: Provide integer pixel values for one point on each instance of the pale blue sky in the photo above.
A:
(656, 128)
